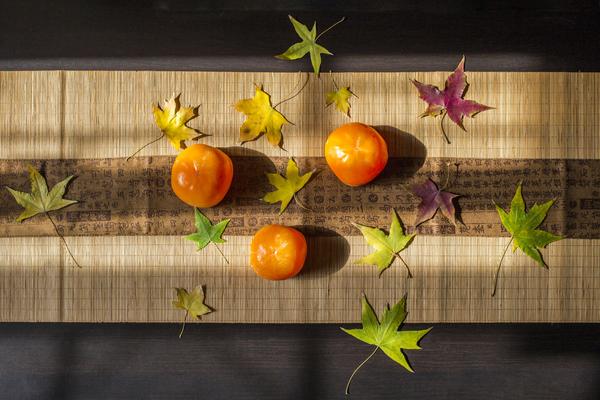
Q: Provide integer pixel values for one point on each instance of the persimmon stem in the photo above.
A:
(183, 324)
(398, 256)
(146, 145)
(63, 239)
(357, 368)
(321, 34)
(296, 94)
(442, 126)
(499, 265)
(221, 251)
(301, 204)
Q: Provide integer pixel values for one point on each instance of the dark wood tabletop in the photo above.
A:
(220, 361)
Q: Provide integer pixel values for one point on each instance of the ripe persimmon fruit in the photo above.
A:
(356, 153)
(277, 252)
(201, 175)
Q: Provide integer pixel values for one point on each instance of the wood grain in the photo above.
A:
(267, 362)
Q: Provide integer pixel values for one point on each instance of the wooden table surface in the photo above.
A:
(466, 361)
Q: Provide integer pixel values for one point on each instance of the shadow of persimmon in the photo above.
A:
(328, 251)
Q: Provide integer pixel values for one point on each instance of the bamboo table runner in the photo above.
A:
(127, 231)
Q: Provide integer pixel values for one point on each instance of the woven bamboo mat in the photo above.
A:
(545, 130)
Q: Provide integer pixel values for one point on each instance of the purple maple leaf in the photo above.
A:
(433, 198)
(450, 100)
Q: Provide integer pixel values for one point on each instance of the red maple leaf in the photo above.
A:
(433, 199)
(450, 101)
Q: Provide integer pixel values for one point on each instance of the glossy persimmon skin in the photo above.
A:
(201, 175)
(277, 252)
(356, 153)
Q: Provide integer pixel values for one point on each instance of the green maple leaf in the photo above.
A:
(522, 227)
(42, 201)
(387, 247)
(192, 303)
(287, 186)
(208, 233)
(307, 45)
(385, 335)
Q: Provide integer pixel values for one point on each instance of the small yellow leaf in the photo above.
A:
(192, 303)
(172, 118)
(261, 118)
(341, 99)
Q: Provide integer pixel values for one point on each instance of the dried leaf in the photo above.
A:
(287, 186)
(341, 99)
(207, 232)
(433, 199)
(450, 101)
(307, 45)
(172, 118)
(387, 247)
(522, 227)
(262, 118)
(192, 303)
(385, 335)
(42, 201)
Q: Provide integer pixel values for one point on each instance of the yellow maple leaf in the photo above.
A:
(341, 99)
(172, 118)
(261, 118)
(287, 186)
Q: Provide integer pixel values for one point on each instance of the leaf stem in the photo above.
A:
(398, 256)
(301, 204)
(63, 239)
(321, 34)
(447, 177)
(442, 126)
(183, 323)
(335, 86)
(296, 94)
(357, 368)
(220, 251)
(499, 265)
(146, 145)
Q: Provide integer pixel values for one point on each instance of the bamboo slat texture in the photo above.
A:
(104, 115)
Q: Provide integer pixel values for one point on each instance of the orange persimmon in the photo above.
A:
(201, 175)
(356, 153)
(277, 252)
